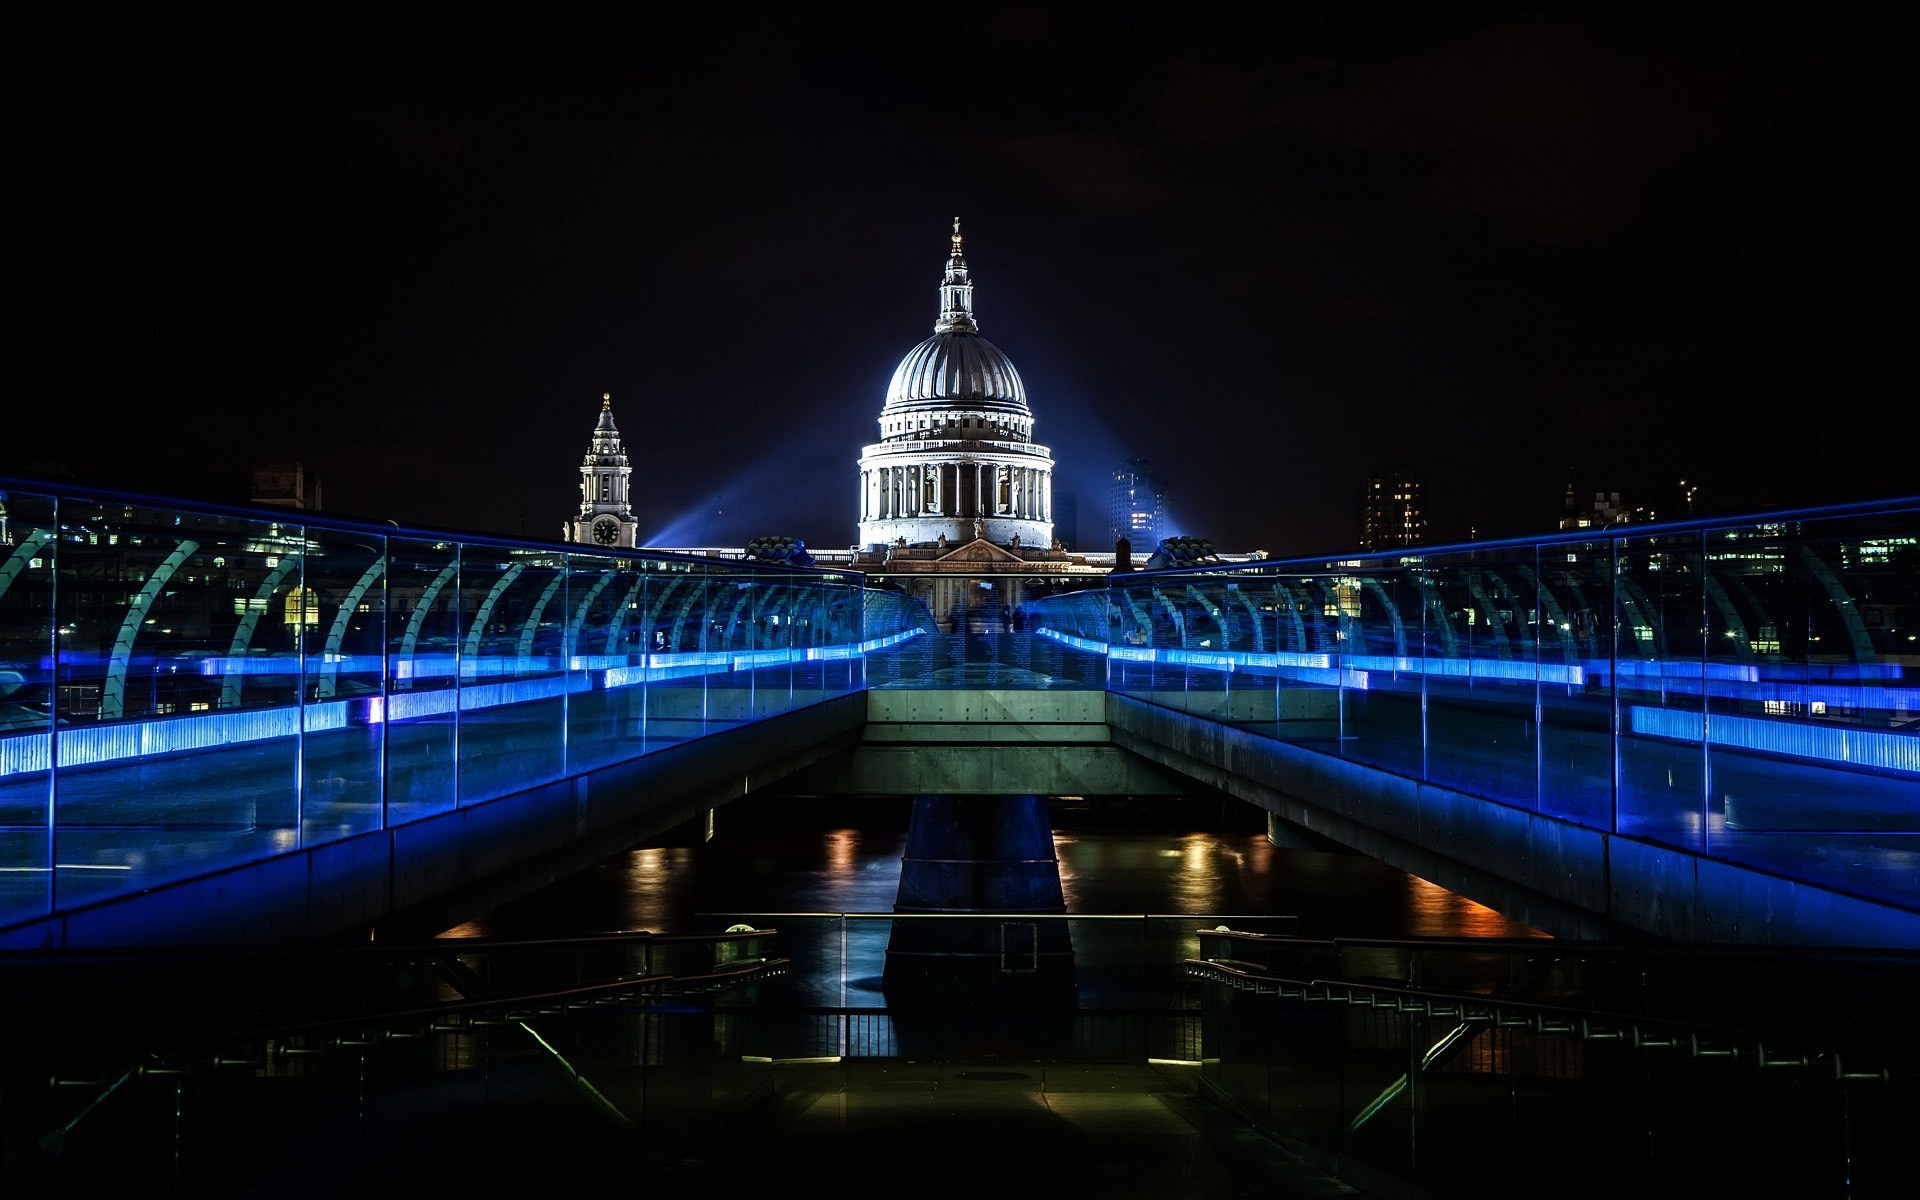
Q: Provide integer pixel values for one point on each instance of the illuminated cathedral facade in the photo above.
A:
(956, 460)
(956, 498)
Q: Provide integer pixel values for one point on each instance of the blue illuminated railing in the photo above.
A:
(188, 687)
(1742, 688)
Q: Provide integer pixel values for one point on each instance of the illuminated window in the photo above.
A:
(302, 607)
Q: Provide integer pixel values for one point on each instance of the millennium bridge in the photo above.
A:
(232, 728)
(1707, 731)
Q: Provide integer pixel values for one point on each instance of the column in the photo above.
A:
(983, 854)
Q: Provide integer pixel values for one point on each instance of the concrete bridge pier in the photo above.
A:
(976, 871)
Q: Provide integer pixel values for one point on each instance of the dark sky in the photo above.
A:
(1517, 246)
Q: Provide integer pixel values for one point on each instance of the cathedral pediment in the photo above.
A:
(980, 550)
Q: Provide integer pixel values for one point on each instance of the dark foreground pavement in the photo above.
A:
(989, 1130)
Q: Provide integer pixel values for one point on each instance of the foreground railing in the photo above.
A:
(1741, 688)
(481, 1066)
(1466, 1066)
(1498, 1069)
(185, 688)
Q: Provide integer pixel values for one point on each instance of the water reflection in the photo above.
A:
(1433, 911)
(767, 859)
(1197, 886)
(647, 880)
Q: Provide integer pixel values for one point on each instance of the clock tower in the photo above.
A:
(606, 516)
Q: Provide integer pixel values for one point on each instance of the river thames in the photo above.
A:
(1137, 878)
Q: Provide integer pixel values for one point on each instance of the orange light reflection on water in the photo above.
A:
(840, 883)
(644, 884)
(1433, 911)
(1197, 887)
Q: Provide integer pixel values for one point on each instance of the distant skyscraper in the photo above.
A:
(1393, 508)
(1137, 506)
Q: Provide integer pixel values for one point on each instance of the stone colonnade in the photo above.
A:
(956, 489)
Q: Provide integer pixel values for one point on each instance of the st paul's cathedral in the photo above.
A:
(955, 498)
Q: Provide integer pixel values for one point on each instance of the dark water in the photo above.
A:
(772, 859)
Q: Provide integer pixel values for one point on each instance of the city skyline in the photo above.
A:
(1515, 246)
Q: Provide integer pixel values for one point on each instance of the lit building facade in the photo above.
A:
(956, 461)
(956, 498)
(606, 508)
(1393, 509)
(1137, 506)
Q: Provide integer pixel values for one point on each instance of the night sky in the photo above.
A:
(1516, 246)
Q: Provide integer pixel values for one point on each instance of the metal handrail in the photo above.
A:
(1701, 1039)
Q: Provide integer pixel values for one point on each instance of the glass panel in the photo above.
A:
(1576, 687)
(1167, 634)
(1198, 649)
(1480, 690)
(606, 649)
(512, 681)
(28, 547)
(732, 637)
(770, 632)
(819, 626)
(1130, 666)
(177, 695)
(344, 719)
(1234, 629)
(1810, 769)
(1658, 598)
(677, 687)
(1385, 679)
(423, 665)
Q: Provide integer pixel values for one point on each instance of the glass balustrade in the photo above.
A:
(185, 688)
(1747, 690)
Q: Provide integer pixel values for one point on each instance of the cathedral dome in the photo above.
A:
(956, 366)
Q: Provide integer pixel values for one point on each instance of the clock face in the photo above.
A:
(606, 530)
